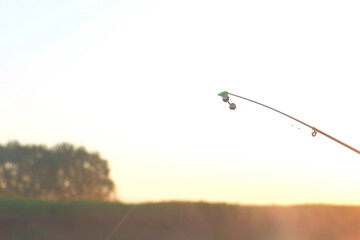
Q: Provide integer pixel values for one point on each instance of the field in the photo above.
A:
(86, 220)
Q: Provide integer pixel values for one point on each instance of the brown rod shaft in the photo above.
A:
(307, 125)
(336, 140)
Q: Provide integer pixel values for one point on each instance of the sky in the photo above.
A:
(137, 81)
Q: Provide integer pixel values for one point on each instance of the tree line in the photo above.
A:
(60, 172)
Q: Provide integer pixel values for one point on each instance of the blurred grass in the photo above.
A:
(34, 207)
(91, 220)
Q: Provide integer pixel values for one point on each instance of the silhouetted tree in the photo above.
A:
(62, 172)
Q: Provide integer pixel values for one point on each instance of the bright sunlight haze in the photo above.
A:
(138, 80)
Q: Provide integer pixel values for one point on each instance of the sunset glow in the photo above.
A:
(137, 81)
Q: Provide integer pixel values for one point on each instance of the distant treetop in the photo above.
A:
(60, 172)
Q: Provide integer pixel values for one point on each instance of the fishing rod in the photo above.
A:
(232, 106)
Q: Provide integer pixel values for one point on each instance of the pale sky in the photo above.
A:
(138, 81)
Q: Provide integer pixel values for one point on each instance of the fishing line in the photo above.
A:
(232, 106)
(121, 222)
